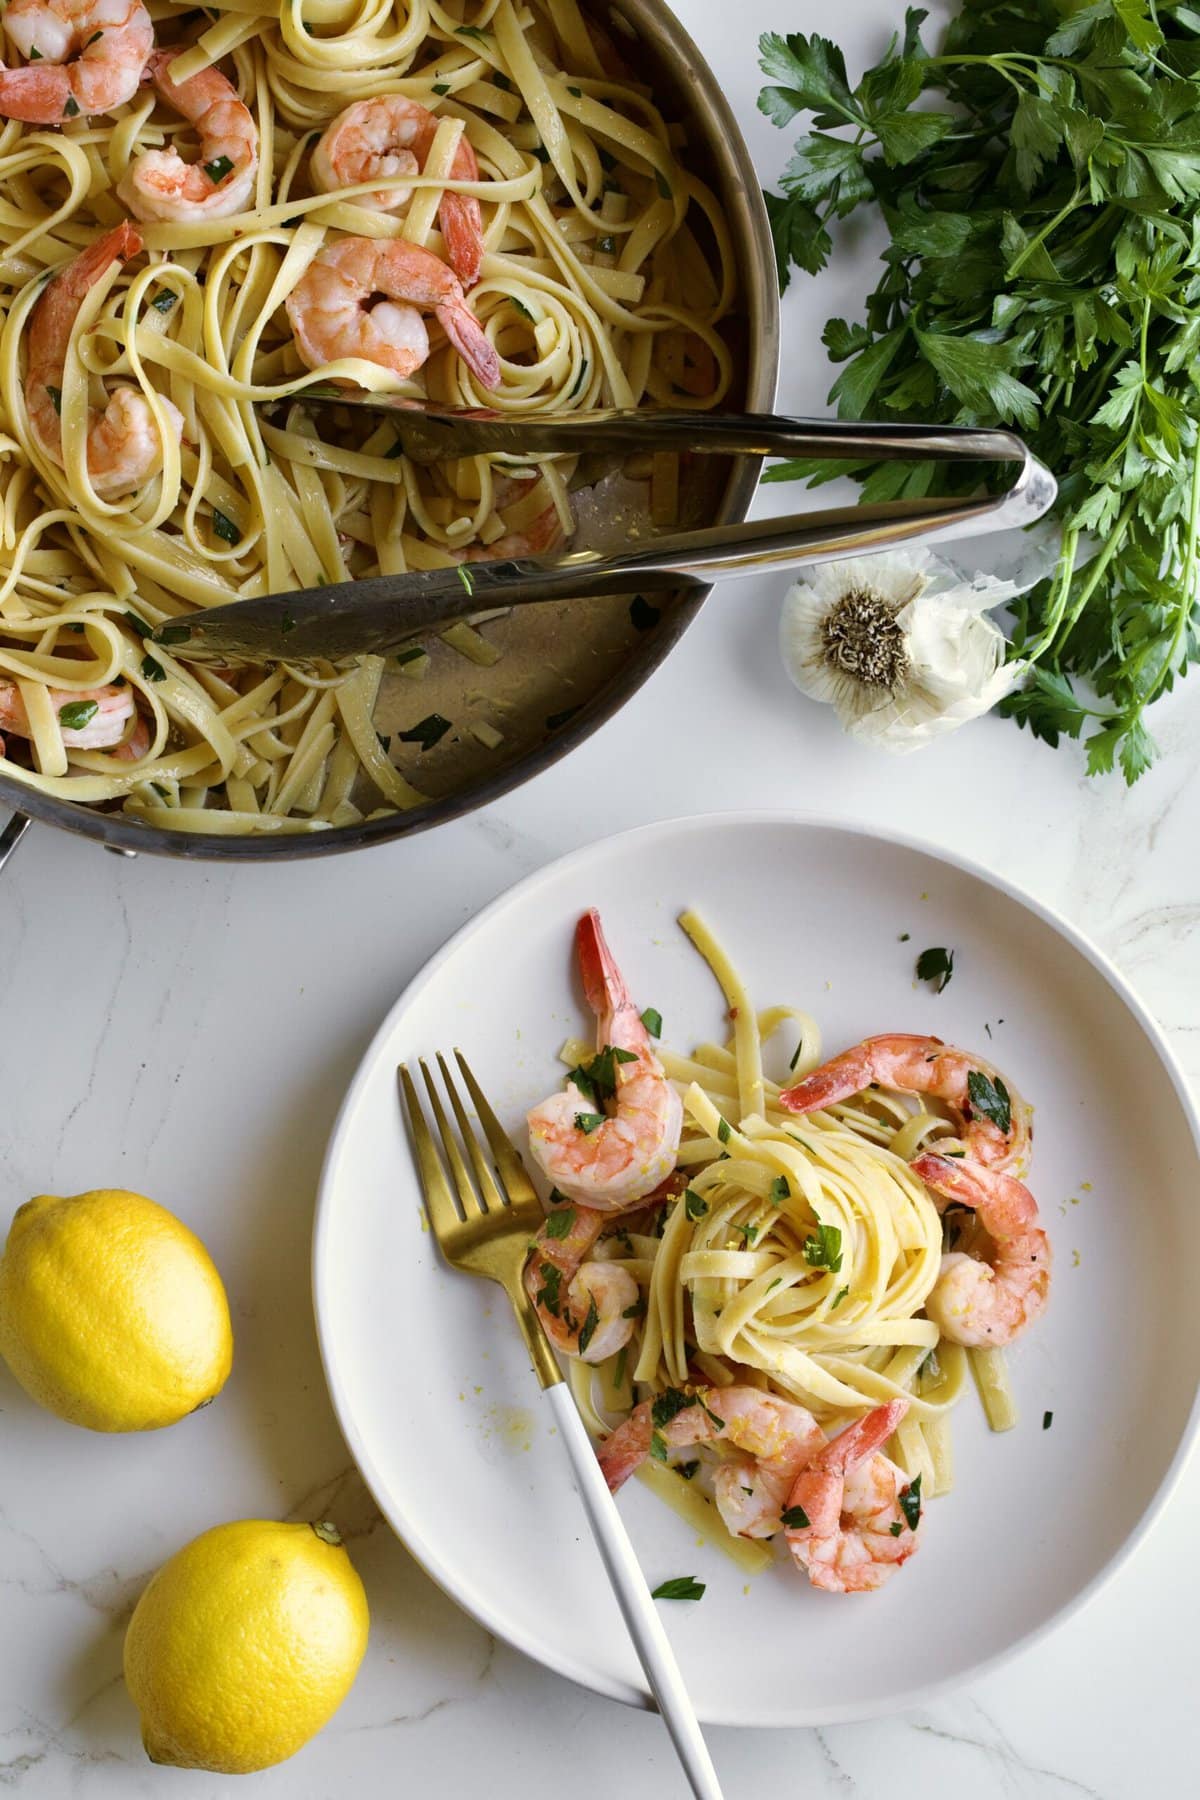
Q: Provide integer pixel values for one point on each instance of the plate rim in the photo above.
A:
(444, 1574)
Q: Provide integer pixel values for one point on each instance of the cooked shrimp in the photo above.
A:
(996, 1125)
(124, 448)
(111, 709)
(81, 56)
(858, 1531)
(988, 1303)
(778, 1438)
(160, 185)
(592, 1316)
(335, 310)
(543, 533)
(609, 1162)
(392, 135)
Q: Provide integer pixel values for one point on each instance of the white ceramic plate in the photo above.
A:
(433, 1389)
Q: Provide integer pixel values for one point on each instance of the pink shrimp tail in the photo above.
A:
(861, 1440)
(117, 245)
(1007, 1200)
(845, 1075)
(603, 984)
(622, 1454)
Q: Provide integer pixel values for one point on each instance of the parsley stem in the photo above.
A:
(1096, 572)
(1187, 578)
(1036, 243)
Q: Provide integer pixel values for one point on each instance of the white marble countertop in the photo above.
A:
(189, 1031)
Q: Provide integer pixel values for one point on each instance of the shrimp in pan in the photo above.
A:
(392, 135)
(124, 446)
(609, 1159)
(336, 309)
(852, 1516)
(987, 1303)
(160, 185)
(101, 715)
(81, 57)
(995, 1123)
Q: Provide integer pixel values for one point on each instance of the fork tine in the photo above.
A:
(521, 1190)
(439, 1201)
(483, 1175)
(468, 1199)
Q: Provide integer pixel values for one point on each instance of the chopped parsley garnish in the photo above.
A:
(152, 669)
(441, 87)
(749, 1232)
(929, 1368)
(838, 1298)
(680, 1587)
(658, 1446)
(936, 965)
(619, 1371)
(587, 1122)
(724, 1131)
(71, 109)
(471, 31)
(990, 1100)
(598, 1079)
(575, 93)
(1047, 1420)
(548, 1294)
(910, 1503)
(694, 1205)
(778, 1282)
(637, 1310)
(579, 379)
(466, 577)
(520, 306)
(35, 55)
(824, 1250)
(643, 616)
(587, 1330)
(780, 1191)
(218, 168)
(165, 301)
(427, 732)
(78, 714)
(139, 624)
(795, 1519)
(686, 1471)
(94, 39)
(669, 1404)
(652, 1020)
(905, 936)
(408, 656)
(224, 527)
(662, 184)
(55, 394)
(896, 1528)
(559, 1222)
(796, 1054)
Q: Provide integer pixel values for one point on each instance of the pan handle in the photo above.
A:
(12, 834)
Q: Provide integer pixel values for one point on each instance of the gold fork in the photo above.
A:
(483, 1225)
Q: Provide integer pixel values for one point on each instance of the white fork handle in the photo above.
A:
(633, 1597)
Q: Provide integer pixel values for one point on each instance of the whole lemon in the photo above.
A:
(244, 1645)
(112, 1314)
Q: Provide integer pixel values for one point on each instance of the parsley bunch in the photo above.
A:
(1043, 273)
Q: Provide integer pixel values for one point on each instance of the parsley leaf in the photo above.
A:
(990, 1100)
(795, 1519)
(936, 965)
(78, 714)
(587, 1122)
(587, 1330)
(559, 1222)
(910, 1503)
(780, 1190)
(724, 1131)
(428, 732)
(218, 168)
(652, 1020)
(824, 1250)
(680, 1587)
(695, 1205)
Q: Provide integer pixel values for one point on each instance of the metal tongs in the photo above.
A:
(355, 618)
